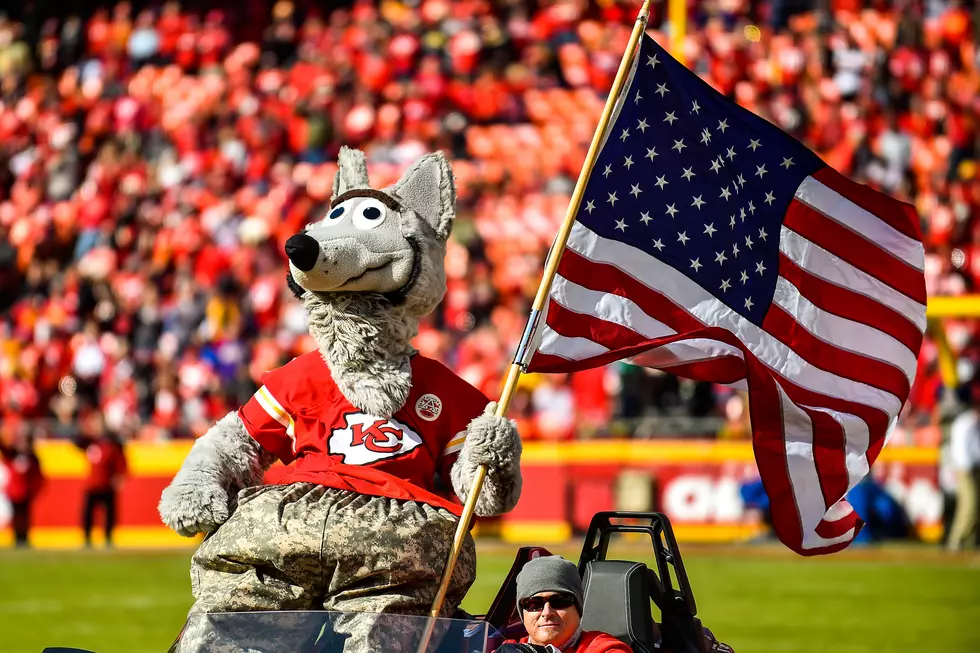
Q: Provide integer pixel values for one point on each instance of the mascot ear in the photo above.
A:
(428, 189)
(352, 171)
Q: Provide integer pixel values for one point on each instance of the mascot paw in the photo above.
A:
(193, 507)
(491, 440)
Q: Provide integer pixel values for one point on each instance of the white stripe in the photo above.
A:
(452, 449)
(802, 470)
(849, 335)
(701, 304)
(857, 439)
(821, 263)
(274, 409)
(607, 307)
(675, 353)
(862, 222)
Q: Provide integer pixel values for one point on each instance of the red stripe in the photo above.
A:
(899, 215)
(861, 253)
(851, 305)
(870, 371)
(829, 455)
(609, 279)
(768, 443)
(626, 343)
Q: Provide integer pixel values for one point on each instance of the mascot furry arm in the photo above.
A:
(362, 321)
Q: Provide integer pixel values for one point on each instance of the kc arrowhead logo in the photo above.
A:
(367, 439)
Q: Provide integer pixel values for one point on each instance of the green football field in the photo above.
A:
(759, 599)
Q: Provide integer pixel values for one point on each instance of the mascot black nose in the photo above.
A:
(303, 251)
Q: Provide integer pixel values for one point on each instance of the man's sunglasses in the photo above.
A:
(556, 601)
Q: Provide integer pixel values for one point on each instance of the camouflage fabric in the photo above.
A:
(308, 547)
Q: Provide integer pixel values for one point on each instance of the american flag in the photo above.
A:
(711, 244)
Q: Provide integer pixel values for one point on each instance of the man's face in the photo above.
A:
(547, 624)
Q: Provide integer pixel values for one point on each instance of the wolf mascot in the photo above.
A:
(365, 424)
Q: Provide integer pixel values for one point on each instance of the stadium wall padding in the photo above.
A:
(696, 483)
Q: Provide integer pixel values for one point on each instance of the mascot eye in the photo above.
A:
(336, 214)
(369, 214)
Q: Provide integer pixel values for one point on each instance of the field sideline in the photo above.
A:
(760, 599)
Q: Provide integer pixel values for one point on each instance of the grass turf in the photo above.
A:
(760, 600)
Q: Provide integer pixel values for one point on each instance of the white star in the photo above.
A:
(744, 278)
(670, 117)
(682, 237)
(638, 97)
(720, 257)
(661, 182)
(735, 250)
(696, 264)
(741, 180)
(652, 153)
(679, 145)
(770, 198)
(621, 225)
(751, 207)
(754, 144)
(612, 198)
(748, 242)
(687, 174)
(760, 171)
(760, 268)
(710, 229)
(658, 244)
(671, 210)
(624, 135)
(636, 190)
(645, 217)
(590, 206)
(662, 89)
(763, 234)
(723, 125)
(696, 108)
(741, 213)
(705, 136)
(748, 303)
(642, 126)
(725, 285)
(715, 165)
(628, 162)
(653, 61)
(607, 171)
(730, 153)
(725, 193)
(787, 163)
(732, 223)
(698, 202)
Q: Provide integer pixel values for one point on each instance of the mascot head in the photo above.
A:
(390, 243)
(369, 270)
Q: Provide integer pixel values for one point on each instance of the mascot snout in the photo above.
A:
(303, 251)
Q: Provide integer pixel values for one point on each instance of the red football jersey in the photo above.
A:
(301, 416)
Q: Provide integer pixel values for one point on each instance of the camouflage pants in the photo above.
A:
(306, 547)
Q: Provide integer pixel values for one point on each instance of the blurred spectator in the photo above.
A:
(964, 459)
(24, 479)
(107, 469)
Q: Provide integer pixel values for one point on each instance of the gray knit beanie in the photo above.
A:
(549, 574)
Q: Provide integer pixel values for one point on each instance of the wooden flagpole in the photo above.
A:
(551, 267)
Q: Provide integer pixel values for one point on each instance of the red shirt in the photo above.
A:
(593, 641)
(300, 415)
(24, 479)
(107, 461)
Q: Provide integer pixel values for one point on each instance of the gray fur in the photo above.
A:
(222, 461)
(429, 178)
(352, 172)
(492, 441)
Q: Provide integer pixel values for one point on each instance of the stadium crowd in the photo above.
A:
(153, 161)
